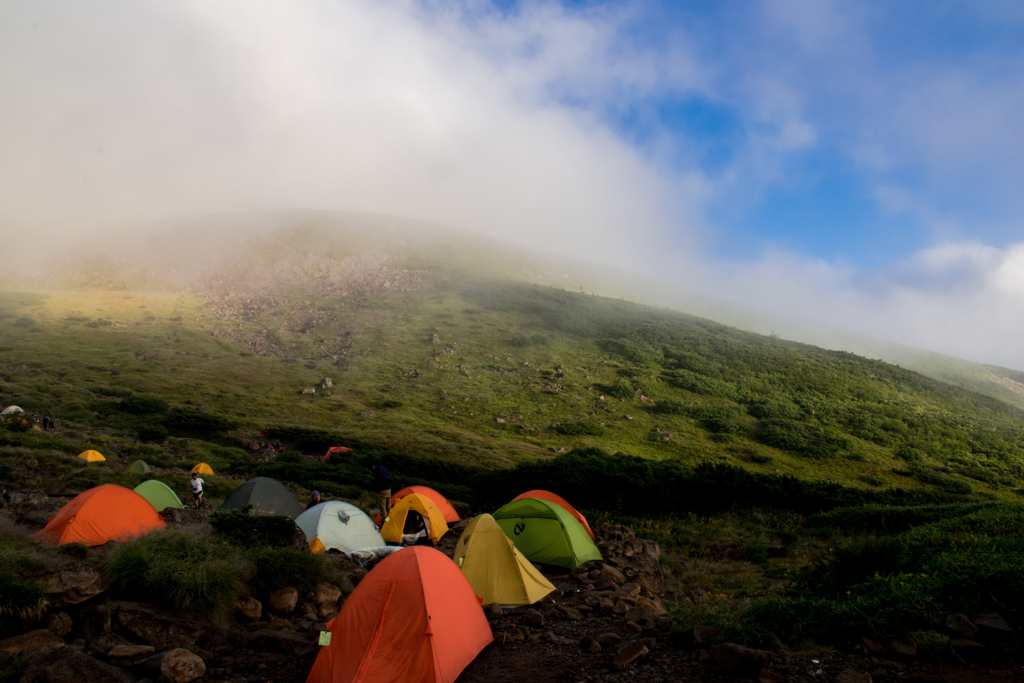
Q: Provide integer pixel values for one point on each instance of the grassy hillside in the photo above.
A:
(435, 352)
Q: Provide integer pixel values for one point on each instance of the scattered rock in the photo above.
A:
(904, 649)
(496, 610)
(851, 675)
(60, 623)
(960, 625)
(161, 628)
(738, 661)
(71, 584)
(632, 627)
(533, 618)
(630, 652)
(278, 641)
(130, 655)
(69, 665)
(705, 635)
(992, 625)
(178, 665)
(250, 608)
(609, 639)
(326, 594)
(873, 646)
(32, 643)
(767, 676)
(284, 600)
(968, 649)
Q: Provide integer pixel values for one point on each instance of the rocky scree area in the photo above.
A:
(606, 621)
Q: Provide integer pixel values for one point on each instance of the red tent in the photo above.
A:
(336, 449)
(557, 500)
(413, 619)
(105, 513)
(450, 515)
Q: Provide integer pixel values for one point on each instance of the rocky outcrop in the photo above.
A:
(161, 628)
(71, 584)
(177, 666)
(69, 665)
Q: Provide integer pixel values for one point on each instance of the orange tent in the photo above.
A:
(105, 513)
(557, 500)
(202, 468)
(450, 515)
(413, 619)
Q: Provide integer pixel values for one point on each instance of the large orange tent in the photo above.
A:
(105, 513)
(450, 515)
(413, 619)
(557, 500)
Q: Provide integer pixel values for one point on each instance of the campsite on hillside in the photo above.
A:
(583, 489)
(511, 341)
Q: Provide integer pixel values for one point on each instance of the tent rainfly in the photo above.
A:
(495, 569)
(202, 468)
(102, 514)
(395, 525)
(338, 525)
(555, 498)
(91, 456)
(545, 532)
(159, 495)
(413, 618)
(12, 410)
(336, 449)
(450, 515)
(266, 496)
(139, 467)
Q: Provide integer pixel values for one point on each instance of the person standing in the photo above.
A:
(314, 499)
(383, 484)
(197, 489)
(46, 422)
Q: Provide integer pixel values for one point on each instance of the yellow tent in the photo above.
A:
(202, 468)
(395, 523)
(495, 569)
(91, 456)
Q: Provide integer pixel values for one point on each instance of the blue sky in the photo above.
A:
(855, 163)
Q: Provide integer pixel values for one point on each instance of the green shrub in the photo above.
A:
(579, 429)
(186, 571)
(142, 405)
(24, 322)
(20, 600)
(279, 567)
(243, 529)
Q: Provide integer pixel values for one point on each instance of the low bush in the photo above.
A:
(276, 568)
(243, 529)
(189, 572)
(579, 429)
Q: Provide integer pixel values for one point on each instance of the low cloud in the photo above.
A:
(510, 123)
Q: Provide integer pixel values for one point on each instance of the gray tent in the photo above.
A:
(266, 496)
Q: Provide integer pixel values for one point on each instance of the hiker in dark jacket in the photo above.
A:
(314, 499)
(383, 484)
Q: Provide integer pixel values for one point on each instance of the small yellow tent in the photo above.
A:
(202, 468)
(495, 569)
(395, 523)
(91, 456)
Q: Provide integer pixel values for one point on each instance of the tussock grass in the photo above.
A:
(193, 573)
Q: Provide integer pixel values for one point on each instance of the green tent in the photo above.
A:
(158, 494)
(264, 496)
(139, 467)
(545, 532)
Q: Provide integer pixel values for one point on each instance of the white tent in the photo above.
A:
(338, 525)
(12, 410)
